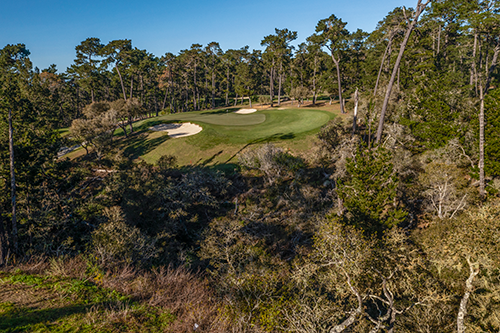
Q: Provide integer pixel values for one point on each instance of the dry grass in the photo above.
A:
(178, 291)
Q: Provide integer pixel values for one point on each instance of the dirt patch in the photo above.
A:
(245, 111)
(178, 130)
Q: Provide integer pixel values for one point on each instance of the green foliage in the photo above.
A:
(116, 243)
(369, 193)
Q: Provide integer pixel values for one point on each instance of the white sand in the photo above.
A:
(178, 130)
(245, 111)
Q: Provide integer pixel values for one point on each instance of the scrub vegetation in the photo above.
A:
(363, 195)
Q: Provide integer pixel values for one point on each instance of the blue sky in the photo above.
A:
(52, 28)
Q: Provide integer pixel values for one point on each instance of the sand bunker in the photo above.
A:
(178, 130)
(245, 111)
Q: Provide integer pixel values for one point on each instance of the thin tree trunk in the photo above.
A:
(165, 99)
(339, 83)
(481, 142)
(279, 83)
(439, 40)
(314, 81)
(121, 82)
(381, 66)
(142, 88)
(195, 89)
(419, 9)
(271, 84)
(227, 86)
(213, 89)
(482, 92)
(3, 243)
(473, 73)
(12, 185)
(462, 310)
(354, 314)
(131, 85)
(356, 101)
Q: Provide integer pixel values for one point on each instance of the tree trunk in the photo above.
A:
(356, 101)
(381, 66)
(418, 10)
(439, 40)
(130, 123)
(213, 89)
(473, 73)
(12, 185)
(121, 82)
(271, 84)
(354, 314)
(131, 85)
(164, 99)
(195, 88)
(314, 81)
(462, 310)
(336, 61)
(481, 142)
(482, 92)
(3, 243)
(279, 83)
(227, 86)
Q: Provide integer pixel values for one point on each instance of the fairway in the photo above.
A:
(224, 134)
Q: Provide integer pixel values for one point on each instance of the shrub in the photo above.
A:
(274, 162)
(117, 242)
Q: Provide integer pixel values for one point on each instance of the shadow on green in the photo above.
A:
(19, 319)
(139, 144)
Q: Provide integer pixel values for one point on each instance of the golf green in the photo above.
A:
(224, 131)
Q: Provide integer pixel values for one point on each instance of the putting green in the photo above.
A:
(224, 132)
(220, 118)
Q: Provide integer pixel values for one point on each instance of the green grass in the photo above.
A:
(224, 134)
(63, 132)
(33, 303)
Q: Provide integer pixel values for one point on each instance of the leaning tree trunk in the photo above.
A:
(12, 185)
(462, 310)
(354, 314)
(382, 65)
(419, 9)
(121, 82)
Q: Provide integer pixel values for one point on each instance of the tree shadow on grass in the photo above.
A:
(17, 319)
(224, 111)
(139, 144)
(271, 138)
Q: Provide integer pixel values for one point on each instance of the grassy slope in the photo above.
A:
(225, 134)
(31, 303)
